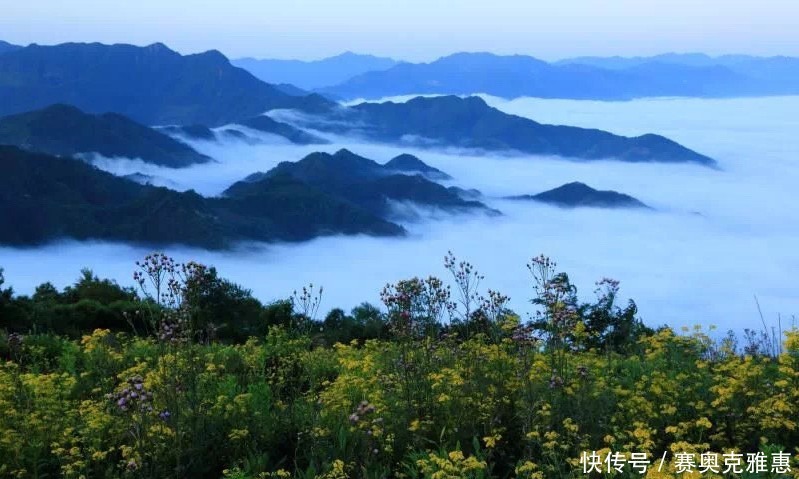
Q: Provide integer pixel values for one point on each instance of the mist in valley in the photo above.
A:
(715, 240)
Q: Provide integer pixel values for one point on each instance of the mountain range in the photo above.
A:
(450, 121)
(59, 103)
(152, 85)
(310, 75)
(64, 130)
(157, 86)
(580, 78)
(46, 198)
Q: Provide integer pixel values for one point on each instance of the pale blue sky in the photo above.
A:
(414, 29)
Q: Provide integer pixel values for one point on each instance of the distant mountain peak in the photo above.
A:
(158, 46)
(452, 100)
(578, 194)
(215, 55)
(363, 182)
(344, 152)
(576, 186)
(314, 74)
(406, 160)
(460, 56)
(349, 54)
(321, 165)
(411, 164)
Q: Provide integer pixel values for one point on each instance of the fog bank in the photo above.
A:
(717, 239)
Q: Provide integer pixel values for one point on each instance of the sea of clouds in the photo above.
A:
(717, 240)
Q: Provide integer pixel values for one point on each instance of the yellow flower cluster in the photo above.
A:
(109, 405)
(453, 465)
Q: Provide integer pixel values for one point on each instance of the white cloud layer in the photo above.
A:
(718, 239)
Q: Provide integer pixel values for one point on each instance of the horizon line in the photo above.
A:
(351, 51)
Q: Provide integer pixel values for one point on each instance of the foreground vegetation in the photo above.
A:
(191, 377)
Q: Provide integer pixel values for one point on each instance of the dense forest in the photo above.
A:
(188, 375)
